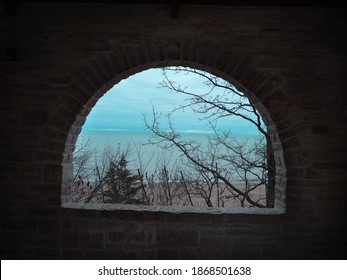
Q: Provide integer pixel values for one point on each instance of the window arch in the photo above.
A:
(279, 195)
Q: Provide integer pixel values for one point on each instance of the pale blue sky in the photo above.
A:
(122, 106)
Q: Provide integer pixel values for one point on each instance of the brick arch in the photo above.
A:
(90, 80)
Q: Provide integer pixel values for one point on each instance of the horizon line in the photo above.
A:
(187, 131)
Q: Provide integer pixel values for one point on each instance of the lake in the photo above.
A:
(143, 153)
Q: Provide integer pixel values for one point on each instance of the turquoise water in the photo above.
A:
(142, 152)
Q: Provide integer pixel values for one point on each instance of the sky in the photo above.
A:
(123, 107)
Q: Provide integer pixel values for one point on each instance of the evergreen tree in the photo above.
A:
(122, 185)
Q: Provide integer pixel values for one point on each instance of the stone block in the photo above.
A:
(174, 238)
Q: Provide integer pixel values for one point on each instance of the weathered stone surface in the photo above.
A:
(291, 61)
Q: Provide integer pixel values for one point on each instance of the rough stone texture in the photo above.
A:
(291, 60)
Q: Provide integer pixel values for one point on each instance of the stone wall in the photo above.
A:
(290, 59)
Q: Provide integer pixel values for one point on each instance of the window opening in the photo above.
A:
(174, 136)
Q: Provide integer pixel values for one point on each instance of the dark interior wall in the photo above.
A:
(67, 55)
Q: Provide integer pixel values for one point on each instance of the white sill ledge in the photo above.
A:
(175, 209)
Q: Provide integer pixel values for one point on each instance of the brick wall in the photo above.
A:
(290, 59)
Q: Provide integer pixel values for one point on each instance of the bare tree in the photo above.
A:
(82, 169)
(226, 167)
(82, 155)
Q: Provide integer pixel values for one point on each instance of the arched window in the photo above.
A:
(177, 139)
